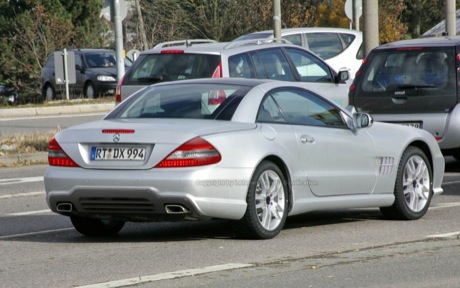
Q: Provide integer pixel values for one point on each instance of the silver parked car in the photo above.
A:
(262, 59)
(269, 150)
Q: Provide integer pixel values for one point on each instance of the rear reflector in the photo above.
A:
(196, 152)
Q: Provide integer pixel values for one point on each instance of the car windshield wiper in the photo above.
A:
(414, 86)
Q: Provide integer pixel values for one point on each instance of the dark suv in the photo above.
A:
(96, 75)
(414, 82)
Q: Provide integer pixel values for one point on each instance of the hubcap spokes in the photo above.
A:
(416, 183)
(270, 204)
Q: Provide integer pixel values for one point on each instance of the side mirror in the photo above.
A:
(342, 76)
(362, 120)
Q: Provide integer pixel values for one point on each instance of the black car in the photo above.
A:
(8, 94)
(416, 83)
(96, 75)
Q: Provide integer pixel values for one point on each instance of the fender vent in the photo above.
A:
(386, 165)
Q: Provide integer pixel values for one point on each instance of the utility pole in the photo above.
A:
(119, 40)
(451, 18)
(277, 20)
(371, 25)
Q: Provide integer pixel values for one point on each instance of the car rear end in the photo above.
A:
(413, 83)
(171, 63)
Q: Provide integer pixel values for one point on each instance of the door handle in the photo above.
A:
(307, 139)
(399, 100)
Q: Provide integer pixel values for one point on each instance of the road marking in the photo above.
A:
(22, 194)
(20, 180)
(450, 183)
(445, 205)
(35, 233)
(29, 213)
(445, 235)
(168, 275)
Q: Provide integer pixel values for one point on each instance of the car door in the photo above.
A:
(312, 69)
(336, 160)
(80, 67)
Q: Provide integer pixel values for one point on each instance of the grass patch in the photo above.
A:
(25, 143)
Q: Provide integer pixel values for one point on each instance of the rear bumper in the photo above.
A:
(149, 195)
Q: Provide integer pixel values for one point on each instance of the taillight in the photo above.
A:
(57, 157)
(196, 152)
(218, 72)
(118, 91)
(216, 97)
(352, 88)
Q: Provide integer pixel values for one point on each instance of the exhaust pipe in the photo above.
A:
(175, 209)
(64, 207)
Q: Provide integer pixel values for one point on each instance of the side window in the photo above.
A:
(310, 68)
(275, 64)
(258, 66)
(294, 39)
(325, 45)
(301, 107)
(347, 39)
(240, 66)
(269, 111)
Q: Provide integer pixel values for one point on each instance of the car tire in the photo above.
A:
(49, 93)
(90, 91)
(267, 204)
(96, 227)
(413, 187)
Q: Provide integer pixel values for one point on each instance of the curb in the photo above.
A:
(56, 110)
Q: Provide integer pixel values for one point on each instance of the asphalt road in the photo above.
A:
(349, 248)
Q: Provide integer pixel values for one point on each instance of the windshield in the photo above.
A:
(189, 101)
(98, 60)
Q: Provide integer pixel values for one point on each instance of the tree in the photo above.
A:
(391, 26)
(421, 15)
(30, 30)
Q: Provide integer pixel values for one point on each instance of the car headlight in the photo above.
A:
(105, 78)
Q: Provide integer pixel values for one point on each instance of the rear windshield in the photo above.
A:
(189, 101)
(420, 71)
(153, 68)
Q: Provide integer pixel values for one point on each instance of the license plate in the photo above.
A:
(412, 124)
(117, 153)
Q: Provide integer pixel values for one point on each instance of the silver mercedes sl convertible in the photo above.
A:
(250, 151)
